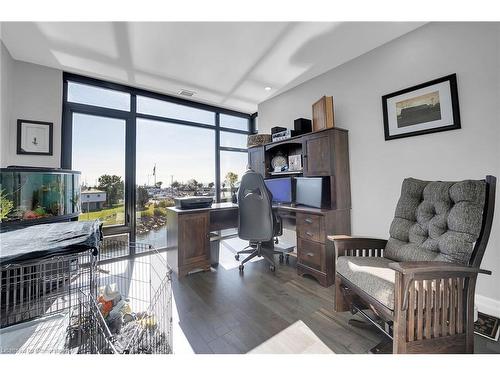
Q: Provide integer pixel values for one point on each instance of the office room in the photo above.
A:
(238, 184)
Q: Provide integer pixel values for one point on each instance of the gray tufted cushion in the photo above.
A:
(370, 274)
(436, 221)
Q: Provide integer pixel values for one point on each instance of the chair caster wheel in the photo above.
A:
(241, 267)
(272, 268)
(237, 257)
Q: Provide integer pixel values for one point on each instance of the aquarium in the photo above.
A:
(38, 195)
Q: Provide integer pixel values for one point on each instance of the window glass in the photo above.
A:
(233, 165)
(228, 139)
(155, 107)
(97, 96)
(234, 122)
(98, 148)
(172, 160)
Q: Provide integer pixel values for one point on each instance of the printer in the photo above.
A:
(190, 203)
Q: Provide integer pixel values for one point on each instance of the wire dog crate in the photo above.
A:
(36, 297)
(142, 291)
(44, 287)
(56, 305)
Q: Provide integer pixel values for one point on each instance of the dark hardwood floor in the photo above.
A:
(225, 312)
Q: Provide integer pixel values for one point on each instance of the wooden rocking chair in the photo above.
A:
(421, 282)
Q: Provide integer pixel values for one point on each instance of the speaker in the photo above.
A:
(277, 129)
(302, 125)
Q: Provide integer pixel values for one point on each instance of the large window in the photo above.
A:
(97, 96)
(171, 162)
(99, 153)
(162, 108)
(233, 122)
(138, 150)
(233, 156)
(233, 140)
(232, 166)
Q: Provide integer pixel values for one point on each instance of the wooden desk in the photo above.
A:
(188, 235)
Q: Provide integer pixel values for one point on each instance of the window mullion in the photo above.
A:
(217, 157)
(130, 163)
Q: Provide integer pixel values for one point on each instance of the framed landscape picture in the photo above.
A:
(34, 137)
(426, 108)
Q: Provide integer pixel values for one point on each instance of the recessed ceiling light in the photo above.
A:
(267, 88)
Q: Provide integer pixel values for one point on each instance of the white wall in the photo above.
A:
(377, 167)
(6, 69)
(29, 92)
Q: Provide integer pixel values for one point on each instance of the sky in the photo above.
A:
(181, 151)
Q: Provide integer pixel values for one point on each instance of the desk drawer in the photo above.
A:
(309, 227)
(311, 254)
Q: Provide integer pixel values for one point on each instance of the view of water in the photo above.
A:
(157, 238)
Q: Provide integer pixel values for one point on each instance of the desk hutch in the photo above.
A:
(324, 154)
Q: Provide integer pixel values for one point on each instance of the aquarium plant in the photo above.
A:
(6, 205)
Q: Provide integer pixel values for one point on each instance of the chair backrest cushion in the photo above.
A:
(255, 211)
(436, 220)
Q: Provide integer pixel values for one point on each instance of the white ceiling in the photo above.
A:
(226, 64)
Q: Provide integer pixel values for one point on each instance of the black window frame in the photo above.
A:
(131, 117)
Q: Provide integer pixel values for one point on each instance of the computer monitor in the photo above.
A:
(281, 189)
(312, 191)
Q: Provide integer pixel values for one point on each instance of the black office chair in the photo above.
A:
(257, 222)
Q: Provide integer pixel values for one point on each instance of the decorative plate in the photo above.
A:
(279, 162)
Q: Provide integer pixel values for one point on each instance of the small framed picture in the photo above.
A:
(34, 137)
(426, 108)
(295, 162)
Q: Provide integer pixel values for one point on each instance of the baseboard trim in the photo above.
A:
(488, 305)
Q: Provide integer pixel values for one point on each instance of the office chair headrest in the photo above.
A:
(253, 186)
